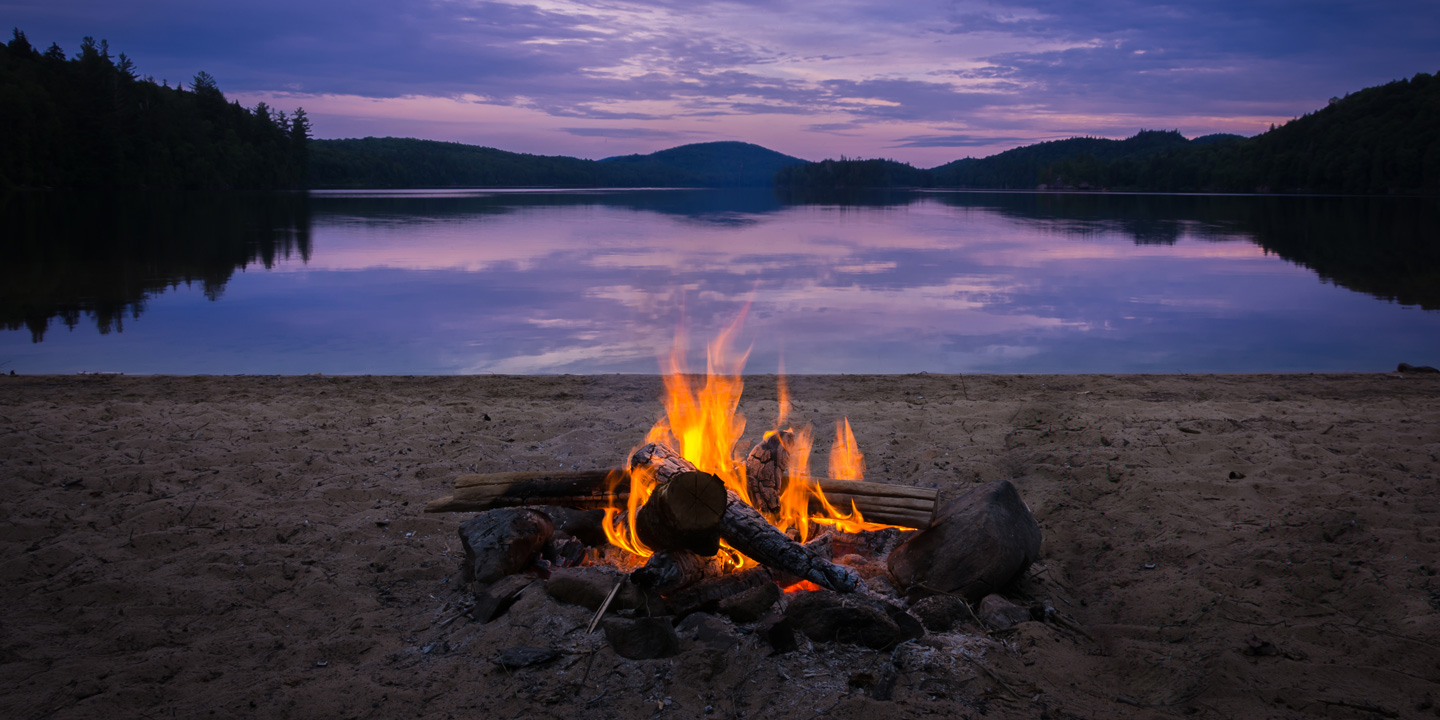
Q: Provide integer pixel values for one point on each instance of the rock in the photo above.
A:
(502, 542)
(709, 630)
(941, 613)
(492, 601)
(1001, 614)
(1417, 369)
(588, 587)
(524, 656)
(778, 633)
(825, 616)
(642, 638)
(752, 604)
(981, 541)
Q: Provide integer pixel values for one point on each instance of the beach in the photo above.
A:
(255, 546)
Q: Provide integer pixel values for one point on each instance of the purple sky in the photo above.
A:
(921, 81)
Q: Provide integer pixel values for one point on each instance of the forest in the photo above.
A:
(1381, 140)
(91, 121)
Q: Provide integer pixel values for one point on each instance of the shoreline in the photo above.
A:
(1231, 545)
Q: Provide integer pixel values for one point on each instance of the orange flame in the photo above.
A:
(702, 423)
(846, 462)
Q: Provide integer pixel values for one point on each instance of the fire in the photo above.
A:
(702, 423)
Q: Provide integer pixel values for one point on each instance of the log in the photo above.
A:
(590, 489)
(765, 472)
(683, 513)
(671, 570)
(707, 594)
(582, 490)
(746, 530)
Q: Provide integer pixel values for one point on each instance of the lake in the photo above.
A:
(484, 281)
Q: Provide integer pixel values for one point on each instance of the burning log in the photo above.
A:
(746, 530)
(683, 513)
(670, 570)
(765, 470)
(592, 489)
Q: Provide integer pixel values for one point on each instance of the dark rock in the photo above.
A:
(1417, 369)
(830, 617)
(709, 630)
(524, 656)
(775, 629)
(941, 613)
(589, 586)
(642, 638)
(1001, 614)
(493, 600)
(502, 542)
(981, 541)
(752, 604)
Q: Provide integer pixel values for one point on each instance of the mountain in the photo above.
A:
(404, 162)
(712, 164)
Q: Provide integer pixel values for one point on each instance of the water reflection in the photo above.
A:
(485, 281)
(106, 256)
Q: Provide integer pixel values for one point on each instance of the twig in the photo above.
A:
(604, 606)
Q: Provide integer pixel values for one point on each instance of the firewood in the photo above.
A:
(683, 512)
(590, 489)
(746, 530)
(707, 594)
(583, 490)
(765, 471)
(671, 570)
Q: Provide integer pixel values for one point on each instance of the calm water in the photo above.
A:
(590, 282)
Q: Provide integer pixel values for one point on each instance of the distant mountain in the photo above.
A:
(712, 164)
(403, 162)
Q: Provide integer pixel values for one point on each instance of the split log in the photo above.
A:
(683, 513)
(746, 530)
(591, 489)
(765, 472)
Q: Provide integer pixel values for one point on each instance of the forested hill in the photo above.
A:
(90, 121)
(1384, 139)
(404, 162)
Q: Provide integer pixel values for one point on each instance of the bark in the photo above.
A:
(765, 470)
(746, 530)
(671, 570)
(683, 512)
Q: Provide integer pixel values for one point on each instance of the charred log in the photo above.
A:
(683, 513)
(746, 530)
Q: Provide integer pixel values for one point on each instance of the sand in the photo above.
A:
(1228, 546)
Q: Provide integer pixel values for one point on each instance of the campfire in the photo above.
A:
(692, 521)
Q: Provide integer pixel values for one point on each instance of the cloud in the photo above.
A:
(923, 71)
(961, 140)
(623, 132)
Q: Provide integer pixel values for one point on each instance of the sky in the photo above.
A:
(922, 81)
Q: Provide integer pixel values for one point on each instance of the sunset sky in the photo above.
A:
(923, 81)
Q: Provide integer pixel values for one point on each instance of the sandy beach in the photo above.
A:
(1226, 545)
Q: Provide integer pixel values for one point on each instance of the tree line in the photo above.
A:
(91, 121)
(1381, 140)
